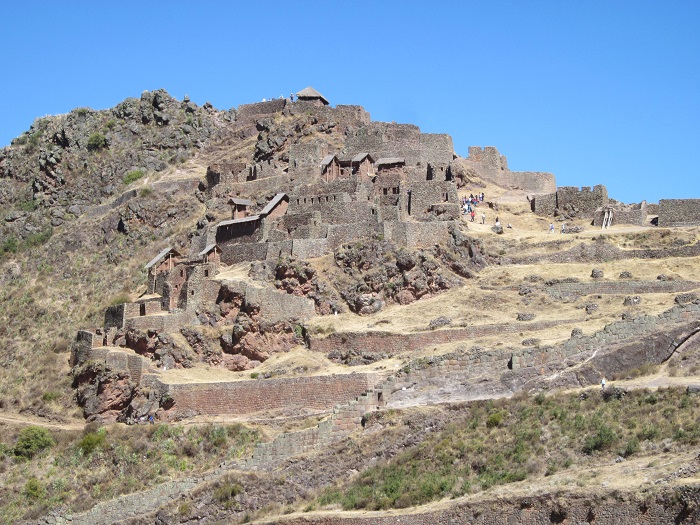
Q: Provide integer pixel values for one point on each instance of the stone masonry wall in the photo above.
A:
(678, 505)
(619, 288)
(679, 212)
(390, 343)
(247, 397)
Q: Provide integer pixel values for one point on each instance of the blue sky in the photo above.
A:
(597, 92)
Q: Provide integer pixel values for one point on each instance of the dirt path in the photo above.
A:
(23, 420)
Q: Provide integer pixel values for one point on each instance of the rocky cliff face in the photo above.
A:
(66, 163)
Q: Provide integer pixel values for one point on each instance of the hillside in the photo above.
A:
(293, 293)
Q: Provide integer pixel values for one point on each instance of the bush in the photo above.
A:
(96, 142)
(133, 176)
(120, 299)
(50, 395)
(37, 239)
(602, 439)
(495, 419)
(9, 246)
(92, 441)
(33, 489)
(31, 441)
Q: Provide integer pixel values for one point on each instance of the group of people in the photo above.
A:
(471, 202)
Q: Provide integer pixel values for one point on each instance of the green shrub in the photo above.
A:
(96, 142)
(31, 441)
(120, 299)
(92, 441)
(9, 246)
(146, 191)
(33, 489)
(495, 419)
(133, 176)
(632, 447)
(37, 239)
(254, 375)
(602, 439)
(50, 395)
(110, 124)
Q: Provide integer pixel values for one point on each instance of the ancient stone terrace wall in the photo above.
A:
(613, 334)
(666, 506)
(390, 343)
(248, 397)
(679, 212)
(561, 290)
(604, 252)
(425, 196)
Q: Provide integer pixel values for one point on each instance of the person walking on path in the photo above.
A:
(602, 384)
(551, 227)
(483, 218)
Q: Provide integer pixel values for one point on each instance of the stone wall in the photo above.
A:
(680, 505)
(391, 343)
(635, 214)
(279, 306)
(605, 252)
(419, 234)
(585, 200)
(250, 111)
(561, 290)
(163, 323)
(679, 212)
(247, 397)
(490, 165)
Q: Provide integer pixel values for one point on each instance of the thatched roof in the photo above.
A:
(310, 93)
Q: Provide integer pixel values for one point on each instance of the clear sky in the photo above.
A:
(597, 92)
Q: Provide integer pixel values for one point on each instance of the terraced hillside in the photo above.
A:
(363, 354)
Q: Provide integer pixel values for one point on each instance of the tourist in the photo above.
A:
(473, 214)
(563, 227)
(483, 217)
(551, 227)
(602, 384)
